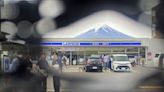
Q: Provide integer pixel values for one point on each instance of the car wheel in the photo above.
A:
(83, 68)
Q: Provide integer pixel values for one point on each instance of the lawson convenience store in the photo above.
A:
(77, 49)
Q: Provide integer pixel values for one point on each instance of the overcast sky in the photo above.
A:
(140, 27)
(113, 19)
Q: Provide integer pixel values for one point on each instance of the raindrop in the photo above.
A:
(24, 29)
(9, 11)
(45, 25)
(9, 27)
(51, 8)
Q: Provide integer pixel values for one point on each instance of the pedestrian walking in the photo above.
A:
(64, 59)
(15, 63)
(28, 62)
(60, 61)
(142, 61)
(106, 61)
(43, 68)
(56, 78)
(20, 73)
(102, 58)
(20, 64)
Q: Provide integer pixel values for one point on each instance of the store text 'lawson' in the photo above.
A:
(90, 43)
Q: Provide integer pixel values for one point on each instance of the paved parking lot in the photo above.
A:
(107, 76)
(74, 79)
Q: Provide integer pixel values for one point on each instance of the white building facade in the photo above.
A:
(76, 49)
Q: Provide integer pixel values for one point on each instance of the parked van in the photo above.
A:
(159, 60)
(120, 62)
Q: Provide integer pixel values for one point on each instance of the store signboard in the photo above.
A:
(82, 44)
(6, 63)
(70, 49)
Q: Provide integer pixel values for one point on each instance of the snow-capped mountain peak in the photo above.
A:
(103, 31)
(97, 28)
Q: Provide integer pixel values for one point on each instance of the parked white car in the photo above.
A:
(120, 62)
(159, 57)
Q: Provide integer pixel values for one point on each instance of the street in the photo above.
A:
(108, 81)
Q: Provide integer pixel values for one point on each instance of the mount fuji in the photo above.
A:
(103, 31)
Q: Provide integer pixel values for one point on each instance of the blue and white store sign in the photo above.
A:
(69, 44)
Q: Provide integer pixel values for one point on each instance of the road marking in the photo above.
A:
(64, 90)
(135, 71)
(73, 69)
(150, 87)
(109, 71)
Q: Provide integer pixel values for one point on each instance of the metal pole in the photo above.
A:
(77, 57)
(84, 54)
(70, 62)
(146, 50)
(139, 57)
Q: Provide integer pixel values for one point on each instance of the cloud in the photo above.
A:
(113, 19)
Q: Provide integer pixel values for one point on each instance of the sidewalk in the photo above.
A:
(64, 84)
(73, 68)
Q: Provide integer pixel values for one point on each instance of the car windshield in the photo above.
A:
(156, 55)
(120, 58)
(93, 58)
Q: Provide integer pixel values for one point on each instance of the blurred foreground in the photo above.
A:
(74, 79)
